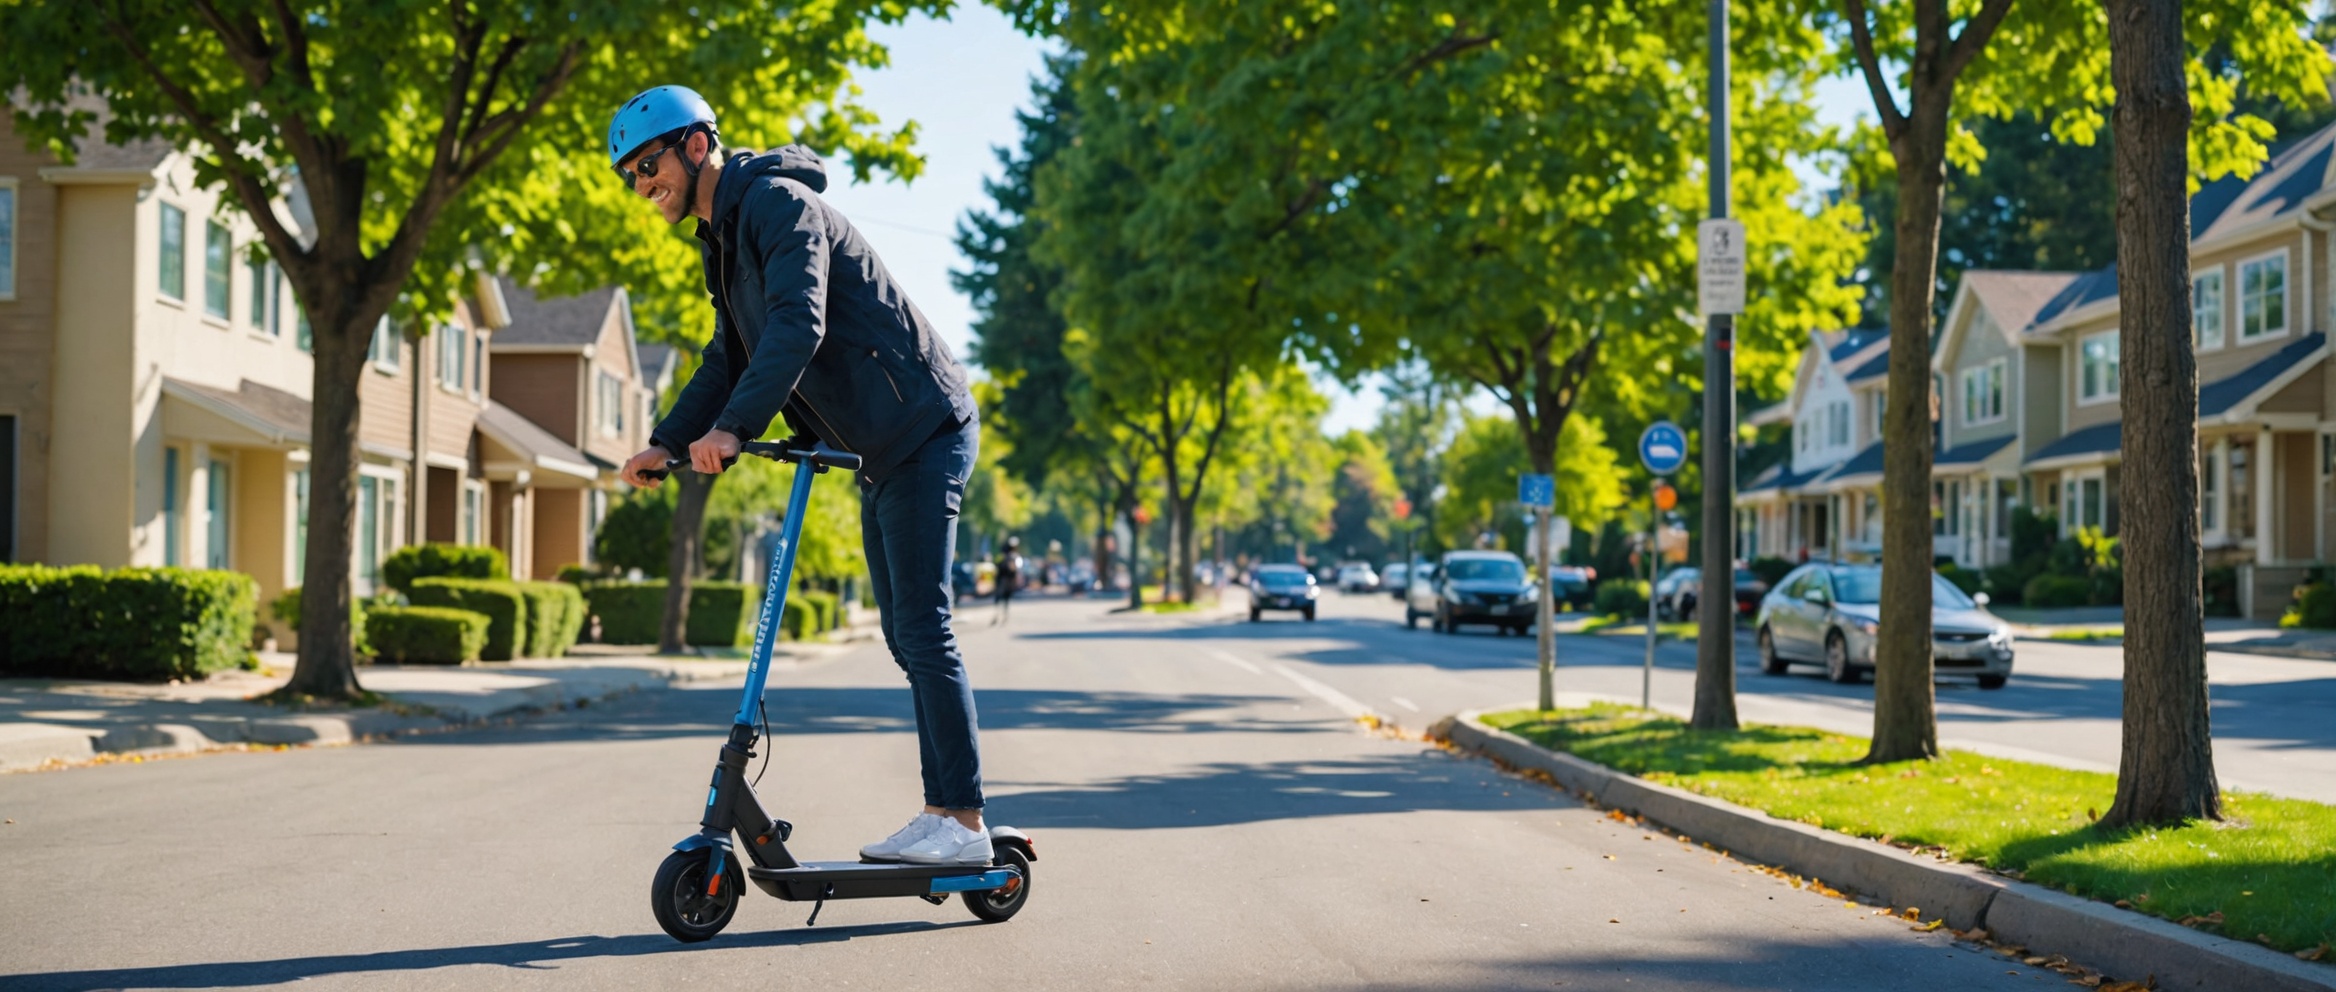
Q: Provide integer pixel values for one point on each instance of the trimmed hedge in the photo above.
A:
(828, 607)
(717, 614)
(499, 601)
(137, 624)
(457, 561)
(555, 617)
(426, 635)
(628, 611)
(1625, 598)
(2315, 605)
(2056, 590)
(286, 608)
(721, 614)
(799, 620)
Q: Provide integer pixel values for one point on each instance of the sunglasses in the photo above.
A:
(647, 169)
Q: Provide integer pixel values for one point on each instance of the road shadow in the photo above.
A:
(1804, 963)
(886, 710)
(1226, 793)
(527, 954)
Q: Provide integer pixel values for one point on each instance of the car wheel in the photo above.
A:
(1686, 611)
(1771, 663)
(1993, 681)
(1444, 623)
(1253, 616)
(1410, 619)
(1837, 666)
(1309, 614)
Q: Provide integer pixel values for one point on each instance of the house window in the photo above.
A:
(299, 524)
(262, 305)
(478, 365)
(1841, 423)
(377, 509)
(215, 513)
(2240, 504)
(453, 348)
(2206, 309)
(609, 405)
(1983, 393)
(2209, 484)
(275, 325)
(2097, 371)
(1800, 437)
(218, 245)
(2263, 297)
(472, 500)
(383, 352)
(1880, 405)
(174, 252)
(171, 538)
(7, 238)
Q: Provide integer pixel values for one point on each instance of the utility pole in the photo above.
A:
(1718, 239)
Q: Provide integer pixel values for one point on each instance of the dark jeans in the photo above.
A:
(909, 524)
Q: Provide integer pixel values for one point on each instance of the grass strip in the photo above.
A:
(2087, 634)
(2267, 873)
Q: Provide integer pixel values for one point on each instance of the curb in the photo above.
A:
(32, 746)
(2121, 942)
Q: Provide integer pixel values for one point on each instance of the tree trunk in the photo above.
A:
(1135, 559)
(2165, 768)
(327, 666)
(1187, 545)
(682, 556)
(1905, 710)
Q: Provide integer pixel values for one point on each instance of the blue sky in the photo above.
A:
(962, 79)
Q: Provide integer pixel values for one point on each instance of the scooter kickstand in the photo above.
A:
(821, 904)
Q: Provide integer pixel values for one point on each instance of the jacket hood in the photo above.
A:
(790, 162)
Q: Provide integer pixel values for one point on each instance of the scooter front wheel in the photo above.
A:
(1000, 905)
(680, 899)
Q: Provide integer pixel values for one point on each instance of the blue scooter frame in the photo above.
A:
(697, 888)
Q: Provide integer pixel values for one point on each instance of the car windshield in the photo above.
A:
(1863, 585)
(1485, 570)
(1281, 576)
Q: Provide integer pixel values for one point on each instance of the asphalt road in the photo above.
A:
(1205, 818)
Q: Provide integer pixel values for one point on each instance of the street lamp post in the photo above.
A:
(1715, 643)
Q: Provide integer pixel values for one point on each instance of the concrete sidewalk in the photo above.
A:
(56, 722)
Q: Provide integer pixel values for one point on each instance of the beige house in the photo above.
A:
(2028, 403)
(1818, 503)
(154, 384)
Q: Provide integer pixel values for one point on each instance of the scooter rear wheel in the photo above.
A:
(678, 896)
(1000, 905)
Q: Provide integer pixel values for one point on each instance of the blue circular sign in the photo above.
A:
(1663, 447)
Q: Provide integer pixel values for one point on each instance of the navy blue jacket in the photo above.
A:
(807, 323)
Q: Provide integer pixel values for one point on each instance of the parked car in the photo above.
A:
(1487, 587)
(1575, 586)
(1281, 587)
(1676, 592)
(1394, 578)
(1357, 577)
(1829, 614)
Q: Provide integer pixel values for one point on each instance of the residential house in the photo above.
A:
(1999, 393)
(1793, 510)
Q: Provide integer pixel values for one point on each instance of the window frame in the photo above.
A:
(164, 269)
(608, 401)
(455, 344)
(2285, 287)
(2220, 310)
(2108, 391)
(384, 351)
(1992, 372)
(9, 241)
(219, 245)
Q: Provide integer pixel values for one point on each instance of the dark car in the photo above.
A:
(1486, 587)
(1675, 595)
(1830, 615)
(1574, 585)
(1281, 587)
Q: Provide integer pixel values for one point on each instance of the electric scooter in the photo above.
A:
(698, 886)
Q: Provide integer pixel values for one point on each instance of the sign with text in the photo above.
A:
(1719, 266)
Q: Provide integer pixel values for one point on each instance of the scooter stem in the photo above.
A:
(774, 598)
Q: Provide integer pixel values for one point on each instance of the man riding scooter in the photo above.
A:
(810, 326)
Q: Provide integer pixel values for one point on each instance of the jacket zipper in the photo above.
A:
(722, 295)
(903, 400)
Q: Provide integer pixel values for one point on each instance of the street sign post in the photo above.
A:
(1539, 493)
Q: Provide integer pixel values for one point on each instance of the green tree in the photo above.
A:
(1480, 481)
(1931, 67)
(418, 132)
(1414, 429)
(1363, 494)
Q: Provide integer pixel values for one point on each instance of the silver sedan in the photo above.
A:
(1829, 614)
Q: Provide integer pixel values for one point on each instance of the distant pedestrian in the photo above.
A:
(1009, 577)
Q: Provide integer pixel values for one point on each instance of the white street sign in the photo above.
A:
(1719, 266)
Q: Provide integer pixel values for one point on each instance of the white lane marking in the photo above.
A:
(1339, 700)
(1405, 703)
(1238, 662)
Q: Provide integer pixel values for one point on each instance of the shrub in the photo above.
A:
(2006, 583)
(458, 561)
(628, 611)
(717, 614)
(577, 575)
(498, 600)
(799, 620)
(555, 616)
(2315, 606)
(137, 624)
(1771, 570)
(2050, 590)
(826, 606)
(2106, 586)
(2033, 534)
(1621, 597)
(2222, 591)
(286, 608)
(428, 635)
(637, 533)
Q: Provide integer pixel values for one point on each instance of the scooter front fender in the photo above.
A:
(700, 842)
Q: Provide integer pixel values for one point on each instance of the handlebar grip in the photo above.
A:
(659, 474)
(777, 451)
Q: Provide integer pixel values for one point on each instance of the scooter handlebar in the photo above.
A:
(821, 460)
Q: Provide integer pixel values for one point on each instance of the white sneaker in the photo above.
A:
(950, 843)
(889, 848)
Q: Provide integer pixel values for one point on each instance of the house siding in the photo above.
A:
(541, 388)
(28, 333)
(1981, 342)
(2081, 414)
(2040, 402)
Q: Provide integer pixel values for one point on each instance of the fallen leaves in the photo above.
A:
(2210, 919)
(2313, 953)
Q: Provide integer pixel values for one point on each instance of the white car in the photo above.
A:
(1394, 577)
(1357, 577)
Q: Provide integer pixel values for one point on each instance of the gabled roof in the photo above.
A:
(565, 322)
(2095, 440)
(536, 446)
(1856, 340)
(1879, 365)
(2091, 287)
(2013, 299)
(1867, 462)
(656, 360)
(2218, 397)
(2292, 176)
(1782, 478)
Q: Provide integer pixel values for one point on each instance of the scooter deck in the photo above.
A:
(817, 880)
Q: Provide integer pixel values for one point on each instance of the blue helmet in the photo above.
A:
(655, 112)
